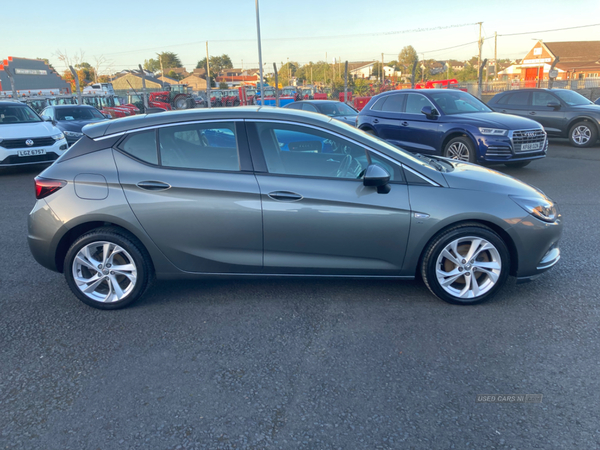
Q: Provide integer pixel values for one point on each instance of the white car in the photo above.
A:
(25, 138)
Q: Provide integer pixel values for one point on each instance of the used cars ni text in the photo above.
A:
(269, 192)
(453, 124)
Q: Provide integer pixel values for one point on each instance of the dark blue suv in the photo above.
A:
(453, 124)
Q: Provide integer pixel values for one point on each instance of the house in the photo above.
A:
(167, 80)
(455, 65)
(230, 73)
(180, 71)
(364, 69)
(199, 72)
(195, 82)
(133, 79)
(577, 60)
(31, 76)
(238, 80)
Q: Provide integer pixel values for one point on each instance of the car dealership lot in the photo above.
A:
(306, 363)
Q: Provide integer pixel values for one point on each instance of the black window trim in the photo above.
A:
(244, 158)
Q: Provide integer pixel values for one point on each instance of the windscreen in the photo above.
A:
(69, 114)
(17, 114)
(571, 98)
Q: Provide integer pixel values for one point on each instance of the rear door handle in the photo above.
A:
(503, 111)
(404, 124)
(153, 185)
(375, 120)
(532, 113)
(285, 196)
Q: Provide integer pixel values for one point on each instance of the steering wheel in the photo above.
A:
(204, 140)
(342, 170)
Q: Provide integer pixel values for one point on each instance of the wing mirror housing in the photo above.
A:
(430, 112)
(554, 105)
(378, 177)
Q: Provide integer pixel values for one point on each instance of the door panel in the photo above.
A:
(417, 132)
(206, 221)
(338, 227)
(553, 120)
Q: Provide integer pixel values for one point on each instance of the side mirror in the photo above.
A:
(554, 105)
(108, 116)
(429, 111)
(47, 119)
(378, 177)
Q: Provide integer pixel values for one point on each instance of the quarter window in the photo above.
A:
(142, 146)
(298, 150)
(210, 146)
(393, 169)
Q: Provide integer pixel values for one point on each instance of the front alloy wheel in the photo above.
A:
(460, 149)
(582, 134)
(466, 264)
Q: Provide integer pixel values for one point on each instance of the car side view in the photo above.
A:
(253, 191)
(453, 124)
(562, 113)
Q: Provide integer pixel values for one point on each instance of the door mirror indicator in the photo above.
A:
(554, 105)
(377, 176)
(430, 112)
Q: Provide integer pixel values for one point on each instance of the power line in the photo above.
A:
(547, 31)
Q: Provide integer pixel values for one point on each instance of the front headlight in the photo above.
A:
(493, 131)
(541, 207)
(73, 134)
(58, 137)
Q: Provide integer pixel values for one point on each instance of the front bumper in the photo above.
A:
(500, 149)
(10, 157)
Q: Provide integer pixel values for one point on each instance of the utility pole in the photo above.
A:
(76, 78)
(162, 71)
(480, 44)
(325, 70)
(144, 96)
(382, 72)
(260, 63)
(311, 78)
(496, 55)
(207, 78)
(346, 83)
(276, 85)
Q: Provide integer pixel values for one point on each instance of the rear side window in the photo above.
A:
(393, 104)
(142, 146)
(379, 104)
(502, 99)
(518, 99)
(210, 146)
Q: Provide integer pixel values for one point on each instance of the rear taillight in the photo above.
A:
(44, 186)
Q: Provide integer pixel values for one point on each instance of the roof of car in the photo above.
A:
(124, 124)
(71, 106)
(11, 102)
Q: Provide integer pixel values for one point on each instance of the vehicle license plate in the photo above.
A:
(37, 151)
(533, 146)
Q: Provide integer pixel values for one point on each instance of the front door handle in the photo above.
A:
(285, 196)
(153, 185)
(532, 113)
(503, 111)
(404, 124)
(375, 120)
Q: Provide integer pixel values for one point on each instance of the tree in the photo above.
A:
(174, 75)
(406, 59)
(169, 60)
(361, 86)
(217, 64)
(151, 65)
(223, 85)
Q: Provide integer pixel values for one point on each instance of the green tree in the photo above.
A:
(151, 65)
(169, 60)
(217, 64)
(223, 85)
(361, 86)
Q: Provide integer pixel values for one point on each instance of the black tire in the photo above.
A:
(465, 232)
(460, 146)
(370, 131)
(583, 134)
(134, 250)
(180, 102)
(517, 164)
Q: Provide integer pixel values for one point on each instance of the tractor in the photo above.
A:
(231, 97)
(173, 97)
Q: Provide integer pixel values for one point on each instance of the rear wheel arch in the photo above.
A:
(79, 230)
(368, 129)
(508, 241)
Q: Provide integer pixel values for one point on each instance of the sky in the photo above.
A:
(125, 33)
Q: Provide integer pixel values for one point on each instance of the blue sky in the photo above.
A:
(127, 32)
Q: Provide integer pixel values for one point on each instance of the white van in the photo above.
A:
(25, 138)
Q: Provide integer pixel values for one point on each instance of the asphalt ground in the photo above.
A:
(306, 364)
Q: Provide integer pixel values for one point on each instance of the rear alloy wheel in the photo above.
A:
(461, 149)
(106, 269)
(583, 134)
(466, 264)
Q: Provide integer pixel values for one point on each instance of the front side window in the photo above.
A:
(393, 168)
(415, 103)
(142, 146)
(297, 150)
(542, 98)
(458, 102)
(210, 146)
(17, 114)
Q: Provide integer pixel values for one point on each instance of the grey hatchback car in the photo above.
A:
(268, 192)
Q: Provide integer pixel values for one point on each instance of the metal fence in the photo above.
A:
(589, 87)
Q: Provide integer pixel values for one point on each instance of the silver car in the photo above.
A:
(268, 192)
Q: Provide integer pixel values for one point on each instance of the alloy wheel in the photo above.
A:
(468, 267)
(581, 134)
(459, 151)
(104, 272)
